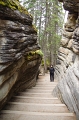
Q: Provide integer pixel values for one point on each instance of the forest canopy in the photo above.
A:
(48, 18)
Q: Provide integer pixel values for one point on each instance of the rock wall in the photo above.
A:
(19, 51)
(67, 68)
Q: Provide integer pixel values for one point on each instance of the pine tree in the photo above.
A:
(48, 18)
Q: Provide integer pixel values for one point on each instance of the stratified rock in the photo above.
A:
(76, 41)
(71, 5)
(19, 51)
(70, 44)
(70, 25)
(68, 88)
(67, 68)
(64, 41)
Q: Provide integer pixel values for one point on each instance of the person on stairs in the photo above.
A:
(51, 70)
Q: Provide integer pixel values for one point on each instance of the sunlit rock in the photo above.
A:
(70, 44)
(64, 41)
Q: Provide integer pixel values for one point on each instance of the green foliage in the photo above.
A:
(48, 18)
(42, 62)
(47, 62)
(29, 3)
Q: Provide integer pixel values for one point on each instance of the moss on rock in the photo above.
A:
(15, 5)
(34, 28)
(31, 54)
(39, 52)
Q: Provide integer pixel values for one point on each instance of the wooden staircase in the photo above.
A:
(37, 103)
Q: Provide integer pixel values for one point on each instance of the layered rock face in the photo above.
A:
(19, 50)
(67, 68)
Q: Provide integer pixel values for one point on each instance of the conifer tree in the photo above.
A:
(48, 18)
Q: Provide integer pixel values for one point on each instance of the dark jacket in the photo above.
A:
(52, 70)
